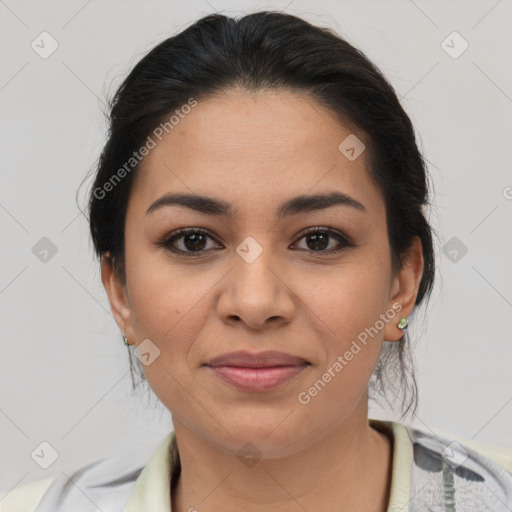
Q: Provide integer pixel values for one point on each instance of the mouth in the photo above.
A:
(262, 371)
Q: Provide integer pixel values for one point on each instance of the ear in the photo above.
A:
(404, 289)
(117, 297)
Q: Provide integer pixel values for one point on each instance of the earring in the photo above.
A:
(403, 324)
(125, 340)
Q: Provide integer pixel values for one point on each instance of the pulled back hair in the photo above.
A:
(265, 51)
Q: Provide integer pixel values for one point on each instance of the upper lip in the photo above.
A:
(257, 359)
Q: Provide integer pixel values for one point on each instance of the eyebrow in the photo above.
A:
(299, 204)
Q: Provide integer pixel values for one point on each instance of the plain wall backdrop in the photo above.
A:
(64, 371)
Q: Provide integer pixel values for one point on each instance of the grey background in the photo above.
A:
(63, 367)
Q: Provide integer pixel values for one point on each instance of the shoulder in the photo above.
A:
(102, 483)
(26, 497)
(458, 472)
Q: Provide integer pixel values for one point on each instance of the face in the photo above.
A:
(306, 280)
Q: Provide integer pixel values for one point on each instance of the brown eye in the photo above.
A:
(187, 241)
(194, 241)
(319, 239)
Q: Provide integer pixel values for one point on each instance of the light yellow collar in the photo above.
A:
(399, 497)
(152, 490)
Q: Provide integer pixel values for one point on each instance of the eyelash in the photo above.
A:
(169, 240)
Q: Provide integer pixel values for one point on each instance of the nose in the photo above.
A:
(256, 294)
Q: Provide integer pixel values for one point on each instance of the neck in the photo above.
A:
(351, 464)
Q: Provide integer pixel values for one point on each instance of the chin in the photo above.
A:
(270, 437)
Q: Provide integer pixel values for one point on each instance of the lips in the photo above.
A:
(257, 372)
(257, 360)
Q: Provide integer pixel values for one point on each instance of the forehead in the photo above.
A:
(253, 149)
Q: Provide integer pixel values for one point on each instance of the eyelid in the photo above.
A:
(323, 229)
(175, 235)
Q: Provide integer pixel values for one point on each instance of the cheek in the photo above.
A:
(351, 348)
(352, 298)
(160, 293)
(168, 306)
(350, 307)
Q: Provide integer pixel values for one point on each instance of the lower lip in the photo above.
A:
(257, 379)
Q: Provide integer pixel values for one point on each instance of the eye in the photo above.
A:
(318, 239)
(194, 241)
(190, 241)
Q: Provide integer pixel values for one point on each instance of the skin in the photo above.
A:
(255, 151)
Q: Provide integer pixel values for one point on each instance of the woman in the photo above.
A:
(259, 213)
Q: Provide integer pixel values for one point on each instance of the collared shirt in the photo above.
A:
(429, 472)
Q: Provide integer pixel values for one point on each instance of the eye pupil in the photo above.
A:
(196, 238)
(321, 239)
